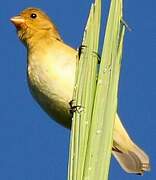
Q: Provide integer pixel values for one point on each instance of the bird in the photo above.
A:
(51, 66)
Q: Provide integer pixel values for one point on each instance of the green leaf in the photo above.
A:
(96, 92)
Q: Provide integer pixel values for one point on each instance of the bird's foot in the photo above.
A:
(74, 107)
(80, 50)
(98, 56)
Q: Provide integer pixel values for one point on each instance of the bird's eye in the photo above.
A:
(33, 15)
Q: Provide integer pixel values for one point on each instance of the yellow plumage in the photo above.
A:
(51, 77)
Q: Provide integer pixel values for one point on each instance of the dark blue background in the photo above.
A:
(32, 147)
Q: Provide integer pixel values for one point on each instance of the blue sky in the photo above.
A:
(35, 148)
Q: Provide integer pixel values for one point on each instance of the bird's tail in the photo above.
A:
(130, 157)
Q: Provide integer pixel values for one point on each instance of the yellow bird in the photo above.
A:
(51, 74)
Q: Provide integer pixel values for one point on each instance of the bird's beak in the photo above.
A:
(18, 21)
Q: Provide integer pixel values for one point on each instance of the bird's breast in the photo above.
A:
(51, 81)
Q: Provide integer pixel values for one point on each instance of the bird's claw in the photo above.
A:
(74, 107)
(98, 56)
(80, 49)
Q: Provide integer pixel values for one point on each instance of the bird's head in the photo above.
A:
(32, 23)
